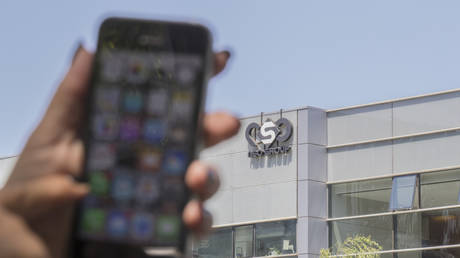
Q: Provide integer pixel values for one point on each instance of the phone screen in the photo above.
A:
(145, 98)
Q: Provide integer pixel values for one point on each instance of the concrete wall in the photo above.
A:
(395, 119)
(312, 176)
(253, 188)
(6, 166)
(270, 188)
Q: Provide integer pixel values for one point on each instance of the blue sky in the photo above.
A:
(285, 54)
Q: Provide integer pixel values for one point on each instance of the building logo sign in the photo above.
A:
(270, 138)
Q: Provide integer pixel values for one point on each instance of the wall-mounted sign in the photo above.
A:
(270, 138)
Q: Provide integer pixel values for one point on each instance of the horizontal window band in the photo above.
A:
(393, 100)
(431, 170)
(389, 213)
(394, 138)
(408, 250)
(390, 188)
(277, 256)
(9, 157)
(253, 222)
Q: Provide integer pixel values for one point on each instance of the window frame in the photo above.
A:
(415, 207)
(397, 186)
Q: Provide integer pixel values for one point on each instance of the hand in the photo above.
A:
(55, 150)
(27, 211)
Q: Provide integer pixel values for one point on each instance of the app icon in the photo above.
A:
(142, 226)
(130, 128)
(107, 99)
(137, 70)
(147, 190)
(101, 156)
(117, 224)
(182, 108)
(132, 101)
(112, 67)
(175, 162)
(93, 220)
(105, 127)
(123, 186)
(154, 130)
(177, 134)
(157, 102)
(99, 183)
(150, 159)
(167, 227)
(185, 74)
(162, 68)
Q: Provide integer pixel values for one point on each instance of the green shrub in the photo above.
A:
(358, 246)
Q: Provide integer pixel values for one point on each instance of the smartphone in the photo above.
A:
(146, 98)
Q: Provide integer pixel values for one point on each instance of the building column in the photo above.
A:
(312, 229)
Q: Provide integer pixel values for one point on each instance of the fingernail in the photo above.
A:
(211, 181)
(207, 218)
(207, 221)
(79, 47)
(226, 52)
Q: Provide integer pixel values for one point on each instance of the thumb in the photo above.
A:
(34, 198)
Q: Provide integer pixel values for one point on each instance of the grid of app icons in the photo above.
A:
(140, 123)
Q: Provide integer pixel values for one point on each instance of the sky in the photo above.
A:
(285, 54)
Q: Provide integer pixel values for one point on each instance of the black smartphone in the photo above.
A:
(142, 131)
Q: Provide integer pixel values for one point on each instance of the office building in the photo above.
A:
(383, 175)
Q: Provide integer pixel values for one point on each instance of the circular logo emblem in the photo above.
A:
(265, 136)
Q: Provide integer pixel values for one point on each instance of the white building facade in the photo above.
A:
(388, 172)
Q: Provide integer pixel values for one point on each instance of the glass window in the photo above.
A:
(408, 230)
(359, 198)
(380, 229)
(402, 231)
(429, 228)
(442, 253)
(440, 188)
(275, 238)
(217, 245)
(403, 192)
(243, 241)
(448, 253)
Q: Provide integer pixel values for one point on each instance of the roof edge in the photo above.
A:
(281, 109)
(9, 157)
(394, 100)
